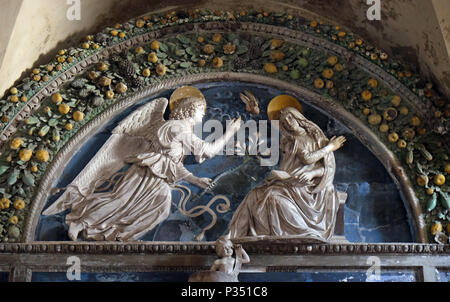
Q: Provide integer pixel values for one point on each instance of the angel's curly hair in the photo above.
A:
(187, 108)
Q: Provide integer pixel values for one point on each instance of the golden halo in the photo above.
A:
(279, 103)
(183, 93)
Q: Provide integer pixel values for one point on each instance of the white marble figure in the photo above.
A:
(140, 197)
(299, 200)
(227, 267)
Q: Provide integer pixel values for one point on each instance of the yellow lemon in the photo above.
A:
(375, 119)
(161, 69)
(13, 220)
(277, 55)
(276, 43)
(13, 91)
(333, 60)
(217, 62)
(57, 98)
(201, 63)
(101, 66)
(319, 83)
(109, 94)
(14, 99)
(19, 204)
(16, 143)
(139, 50)
(393, 137)
(373, 83)
(121, 88)
(78, 116)
(430, 191)
(140, 23)
(447, 168)
(422, 180)
(34, 169)
(217, 37)
(154, 45)
(366, 95)
(439, 180)
(338, 67)
(152, 57)
(208, 49)
(436, 228)
(4, 203)
(25, 154)
(404, 110)
(270, 68)
(415, 121)
(328, 73)
(63, 109)
(42, 156)
(384, 128)
(146, 72)
(68, 127)
(402, 144)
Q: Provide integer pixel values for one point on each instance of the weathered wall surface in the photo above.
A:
(417, 30)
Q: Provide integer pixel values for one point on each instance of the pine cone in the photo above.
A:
(137, 82)
(240, 63)
(127, 69)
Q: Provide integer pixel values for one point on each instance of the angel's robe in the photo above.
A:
(142, 198)
(284, 206)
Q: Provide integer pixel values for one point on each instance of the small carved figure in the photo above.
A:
(139, 198)
(299, 199)
(251, 102)
(227, 268)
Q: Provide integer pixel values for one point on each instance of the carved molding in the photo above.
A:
(208, 248)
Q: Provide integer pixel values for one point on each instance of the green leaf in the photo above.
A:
(186, 64)
(163, 47)
(241, 49)
(190, 51)
(3, 169)
(183, 39)
(12, 178)
(44, 130)
(32, 120)
(53, 122)
(28, 179)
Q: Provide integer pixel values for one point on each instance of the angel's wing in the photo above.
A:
(127, 139)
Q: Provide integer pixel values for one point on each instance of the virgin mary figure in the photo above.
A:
(299, 200)
(139, 198)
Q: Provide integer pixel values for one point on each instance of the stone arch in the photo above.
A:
(176, 28)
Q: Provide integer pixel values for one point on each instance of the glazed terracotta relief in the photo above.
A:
(100, 143)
